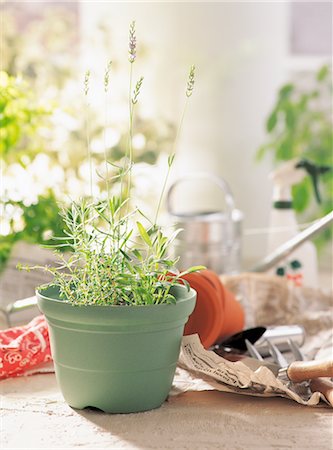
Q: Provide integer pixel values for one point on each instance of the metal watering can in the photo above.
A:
(209, 238)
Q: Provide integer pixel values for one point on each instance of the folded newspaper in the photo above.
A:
(223, 375)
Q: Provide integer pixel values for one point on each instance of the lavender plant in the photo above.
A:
(115, 259)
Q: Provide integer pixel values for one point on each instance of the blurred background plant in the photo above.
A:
(21, 120)
(43, 148)
(25, 213)
(300, 126)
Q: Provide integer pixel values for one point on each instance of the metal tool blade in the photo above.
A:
(298, 355)
(237, 341)
(255, 364)
(253, 351)
(277, 355)
(251, 363)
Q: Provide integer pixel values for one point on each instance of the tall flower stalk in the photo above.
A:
(188, 93)
(106, 88)
(132, 100)
(86, 91)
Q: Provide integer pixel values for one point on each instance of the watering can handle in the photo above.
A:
(220, 182)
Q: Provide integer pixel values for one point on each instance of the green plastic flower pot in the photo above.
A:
(119, 359)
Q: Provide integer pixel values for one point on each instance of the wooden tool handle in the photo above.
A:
(324, 386)
(306, 370)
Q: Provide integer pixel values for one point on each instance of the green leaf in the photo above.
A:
(153, 230)
(126, 238)
(272, 121)
(285, 91)
(186, 284)
(192, 269)
(143, 215)
(262, 150)
(284, 150)
(322, 73)
(290, 118)
(171, 159)
(174, 235)
(137, 254)
(144, 234)
(170, 299)
(125, 255)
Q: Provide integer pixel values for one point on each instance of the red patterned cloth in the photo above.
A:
(24, 349)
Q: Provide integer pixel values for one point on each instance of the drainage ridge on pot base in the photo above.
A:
(119, 359)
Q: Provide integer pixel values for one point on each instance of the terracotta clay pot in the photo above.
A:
(208, 312)
(217, 313)
(234, 317)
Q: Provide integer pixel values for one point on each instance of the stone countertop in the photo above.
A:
(35, 415)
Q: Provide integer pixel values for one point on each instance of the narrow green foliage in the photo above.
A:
(144, 234)
(192, 269)
(137, 91)
(323, 73)
(137, 254)
(171, 159)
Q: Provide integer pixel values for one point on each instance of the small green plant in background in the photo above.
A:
(118, 256)
(40, 221)
(21, 118)
(300, 126)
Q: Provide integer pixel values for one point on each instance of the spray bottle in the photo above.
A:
(301, 267)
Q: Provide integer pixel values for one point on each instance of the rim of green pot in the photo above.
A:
(43, 294)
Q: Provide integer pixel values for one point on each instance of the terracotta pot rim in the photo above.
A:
(214, 304)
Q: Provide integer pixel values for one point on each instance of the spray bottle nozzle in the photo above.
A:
(314, 171)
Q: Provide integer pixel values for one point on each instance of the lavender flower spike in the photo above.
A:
(107, 75)
(132, 43)
(190, 81)
(86, 82)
